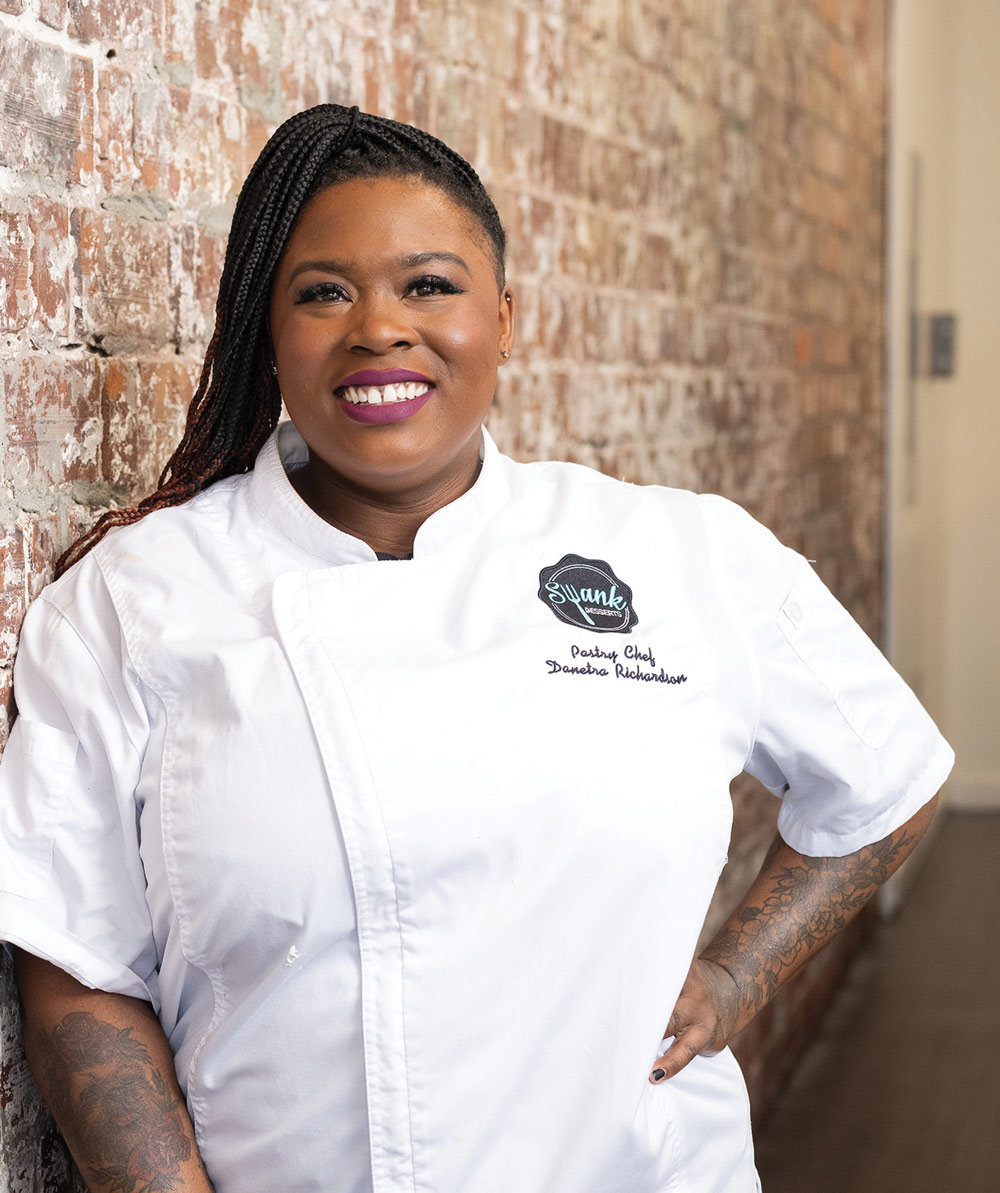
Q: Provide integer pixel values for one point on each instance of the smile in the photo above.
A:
(377, 395)
(380, 404)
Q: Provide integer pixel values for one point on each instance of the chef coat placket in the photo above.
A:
(371, 870)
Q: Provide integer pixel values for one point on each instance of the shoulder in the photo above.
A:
(717, 522)
(579, 483)
(178, 542)
(144, 561)
(189, 526)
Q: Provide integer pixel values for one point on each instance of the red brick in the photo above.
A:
(463, 116)
(803, 347)
(151, 144)
(53, 258)
(194, 134)
(191, 314)
(232, 41)
(322, 77)
(41, 552)
(836, 348)
(15, 286)
(53, 13)
(531, 224)
(142, 405)
(188, 146)
(49, 121)
(522, 138)
(125, 280)
(13, 591)
(828, 152)
(563, 151)
(53, 420)
(164, 391)
(739, 29)
(126, 439)
(115, 21)
(115, 150)
(836, 61)
(6, 718)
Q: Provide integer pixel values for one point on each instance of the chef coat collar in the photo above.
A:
(276, 499)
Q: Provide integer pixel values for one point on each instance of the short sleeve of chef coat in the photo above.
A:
(840, 737)
(72, 889)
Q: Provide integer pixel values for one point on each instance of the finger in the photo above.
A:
(678, 1021)
(686, 1046)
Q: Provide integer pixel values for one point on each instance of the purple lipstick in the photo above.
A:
(379, 396)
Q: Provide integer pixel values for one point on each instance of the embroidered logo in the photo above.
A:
(587, 594)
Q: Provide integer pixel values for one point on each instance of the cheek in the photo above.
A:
(470, 342)
(299, 340)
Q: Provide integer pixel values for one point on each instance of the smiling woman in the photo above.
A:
(327, 872)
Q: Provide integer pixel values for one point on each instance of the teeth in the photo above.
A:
(376, 395)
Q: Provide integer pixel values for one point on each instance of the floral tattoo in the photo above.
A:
(808, 901)
(127, 1118)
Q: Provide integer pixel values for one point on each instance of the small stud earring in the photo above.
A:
(505, 354)
(274, 367)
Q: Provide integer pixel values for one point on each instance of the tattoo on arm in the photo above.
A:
(126, 1117)
(797, 904)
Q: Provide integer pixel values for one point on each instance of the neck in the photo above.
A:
(387, 522)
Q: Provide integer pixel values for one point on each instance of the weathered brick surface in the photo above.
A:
(693, 191)
(46, 108)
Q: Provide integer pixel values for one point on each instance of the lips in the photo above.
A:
(382, 377)
(379, 396)
(380, 413)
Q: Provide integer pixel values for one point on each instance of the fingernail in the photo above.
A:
(659, 1074)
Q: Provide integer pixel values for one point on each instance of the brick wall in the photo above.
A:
(693, 190)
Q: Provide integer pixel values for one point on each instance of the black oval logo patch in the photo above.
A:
(587, 594)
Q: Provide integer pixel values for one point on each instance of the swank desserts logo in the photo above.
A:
(587, 594)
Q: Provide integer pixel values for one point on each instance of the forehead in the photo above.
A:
(378, 215)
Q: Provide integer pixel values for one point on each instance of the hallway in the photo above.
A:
(900, 1093)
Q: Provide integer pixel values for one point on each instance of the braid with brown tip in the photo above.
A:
(237, 402)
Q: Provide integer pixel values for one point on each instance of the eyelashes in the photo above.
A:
(321, 292)
(425, 286)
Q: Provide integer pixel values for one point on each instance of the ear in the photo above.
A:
(505, 345)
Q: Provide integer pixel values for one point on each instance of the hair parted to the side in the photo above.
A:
(237, 402)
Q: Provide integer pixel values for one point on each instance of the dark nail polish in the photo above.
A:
(659, 1074)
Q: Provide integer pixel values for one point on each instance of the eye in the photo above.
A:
(322, 292)
(430, 285)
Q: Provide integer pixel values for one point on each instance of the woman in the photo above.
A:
(364, 808)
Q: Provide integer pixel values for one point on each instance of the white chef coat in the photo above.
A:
(412, 857)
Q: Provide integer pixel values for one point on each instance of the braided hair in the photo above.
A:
(237, 401)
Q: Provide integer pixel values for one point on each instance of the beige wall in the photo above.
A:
(972, 632)
(945, 494)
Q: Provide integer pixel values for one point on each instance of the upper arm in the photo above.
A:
(49, 993)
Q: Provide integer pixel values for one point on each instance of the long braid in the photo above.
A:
(237, 402)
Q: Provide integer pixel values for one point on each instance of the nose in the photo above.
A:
(379, 322)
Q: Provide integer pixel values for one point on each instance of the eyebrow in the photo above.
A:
(410, 261)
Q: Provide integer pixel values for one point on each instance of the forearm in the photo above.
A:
(796, 905)
(104, 1068)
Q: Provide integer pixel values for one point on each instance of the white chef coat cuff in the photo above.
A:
(813, 841)
(23, 928)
